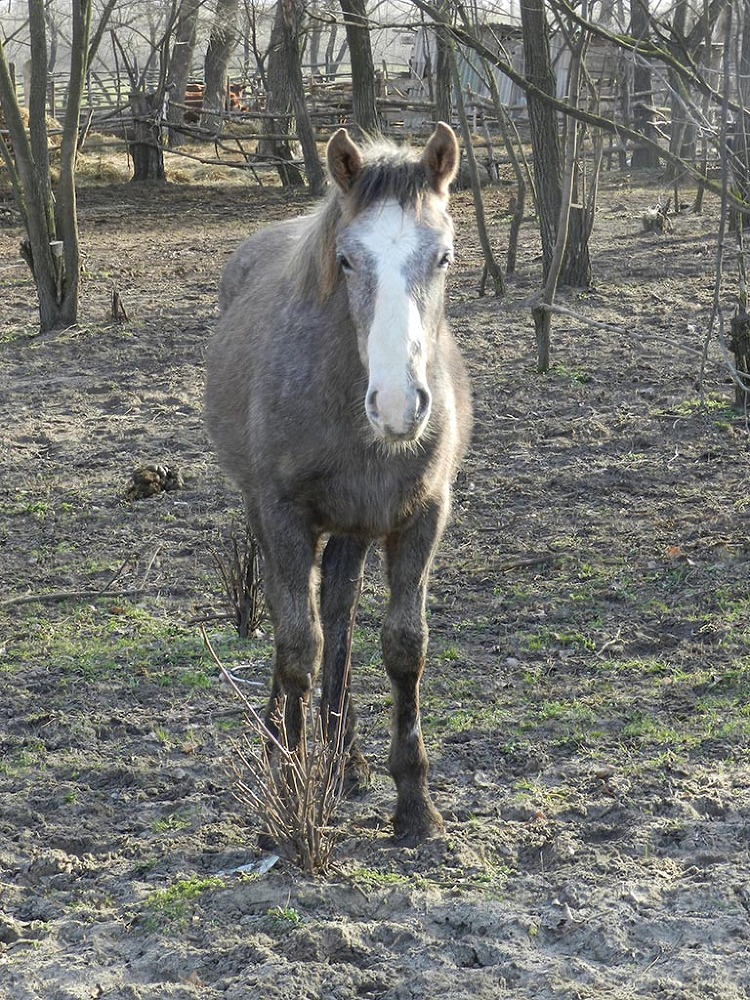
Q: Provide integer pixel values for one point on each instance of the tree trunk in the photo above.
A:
(545, 143)
(145, 143)
(541, 311)
(279, 104)
(66, 216)
(186, 33)
(51, 245)
(316, 33)
(331, 62)
(443, 69)
(543, 125)
(364, 106)
(576, 269)
(739, 343)
(643, 97)
(221, 46)
(491, 267)
(293, 56)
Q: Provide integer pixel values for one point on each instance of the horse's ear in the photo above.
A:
(344, 159)
(440, 158)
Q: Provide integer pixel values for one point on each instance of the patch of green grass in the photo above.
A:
(372, 878)
(123, 640)
(712, 404)
(459, 719)
(284, 917)
(172, 823)
(652, 731)
(576, 376)
(42, 504)
(566, 711)
(175, 904)
(33, 754)
(547, 640)
(535, 794)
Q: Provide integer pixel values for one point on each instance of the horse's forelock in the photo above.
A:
(389, 173)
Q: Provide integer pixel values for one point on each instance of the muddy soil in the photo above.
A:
(586, 700)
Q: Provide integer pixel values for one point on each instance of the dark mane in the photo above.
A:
(389, 172)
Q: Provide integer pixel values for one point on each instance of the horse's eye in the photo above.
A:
(345, 264)
(445, 259)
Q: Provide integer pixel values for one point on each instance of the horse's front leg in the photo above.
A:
(340, 586)
(289, 549)
(409, 555)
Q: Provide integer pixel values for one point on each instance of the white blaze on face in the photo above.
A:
(398, 400)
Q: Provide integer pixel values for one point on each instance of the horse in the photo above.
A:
(338, 402)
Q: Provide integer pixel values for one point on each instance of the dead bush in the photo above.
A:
(238, 564)
(293, 791)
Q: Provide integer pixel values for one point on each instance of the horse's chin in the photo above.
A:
(399, 444)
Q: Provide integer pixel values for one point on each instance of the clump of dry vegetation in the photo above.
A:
(238, 564)
(294, 791)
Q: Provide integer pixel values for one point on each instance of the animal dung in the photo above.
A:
(150, 480)
(656, 219)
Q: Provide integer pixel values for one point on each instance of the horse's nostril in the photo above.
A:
(424, 402)
(372, 403)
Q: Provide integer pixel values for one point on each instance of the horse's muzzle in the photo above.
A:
(398, 416)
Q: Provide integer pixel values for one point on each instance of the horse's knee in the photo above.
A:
(298, 653)
(404, 644)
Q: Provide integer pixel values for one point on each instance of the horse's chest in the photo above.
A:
(371, 499)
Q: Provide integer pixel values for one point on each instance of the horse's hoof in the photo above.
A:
(411, 827)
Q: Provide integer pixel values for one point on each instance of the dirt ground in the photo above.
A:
(586, 702)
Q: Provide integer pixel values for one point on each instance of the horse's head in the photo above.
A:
(393, 246)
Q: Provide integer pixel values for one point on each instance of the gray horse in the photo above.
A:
(339, 404)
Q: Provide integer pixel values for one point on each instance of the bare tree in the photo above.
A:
(286, 101)
(491, 267)
(545, 142)
(183, 49)
(147, 105)
(643, 98)
(51, 247)
(443, 69)
(221, 46)
(279, 104)
(364, 103)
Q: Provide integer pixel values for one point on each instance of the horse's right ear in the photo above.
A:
(344, 159)
(441, 158)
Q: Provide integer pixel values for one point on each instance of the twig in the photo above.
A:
(117, 574)
(544, 558)
(69, 595)
(86, 594)
(151, 562)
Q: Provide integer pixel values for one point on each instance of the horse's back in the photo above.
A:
(255, 261)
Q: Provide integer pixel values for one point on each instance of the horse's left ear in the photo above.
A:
(440, 158)
(344, 159)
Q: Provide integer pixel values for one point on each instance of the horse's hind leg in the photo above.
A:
(409, 555)
(341, 583)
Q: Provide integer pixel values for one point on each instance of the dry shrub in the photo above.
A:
(239, 568)
(294, 791)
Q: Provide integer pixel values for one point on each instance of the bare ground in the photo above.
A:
(586, 702)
